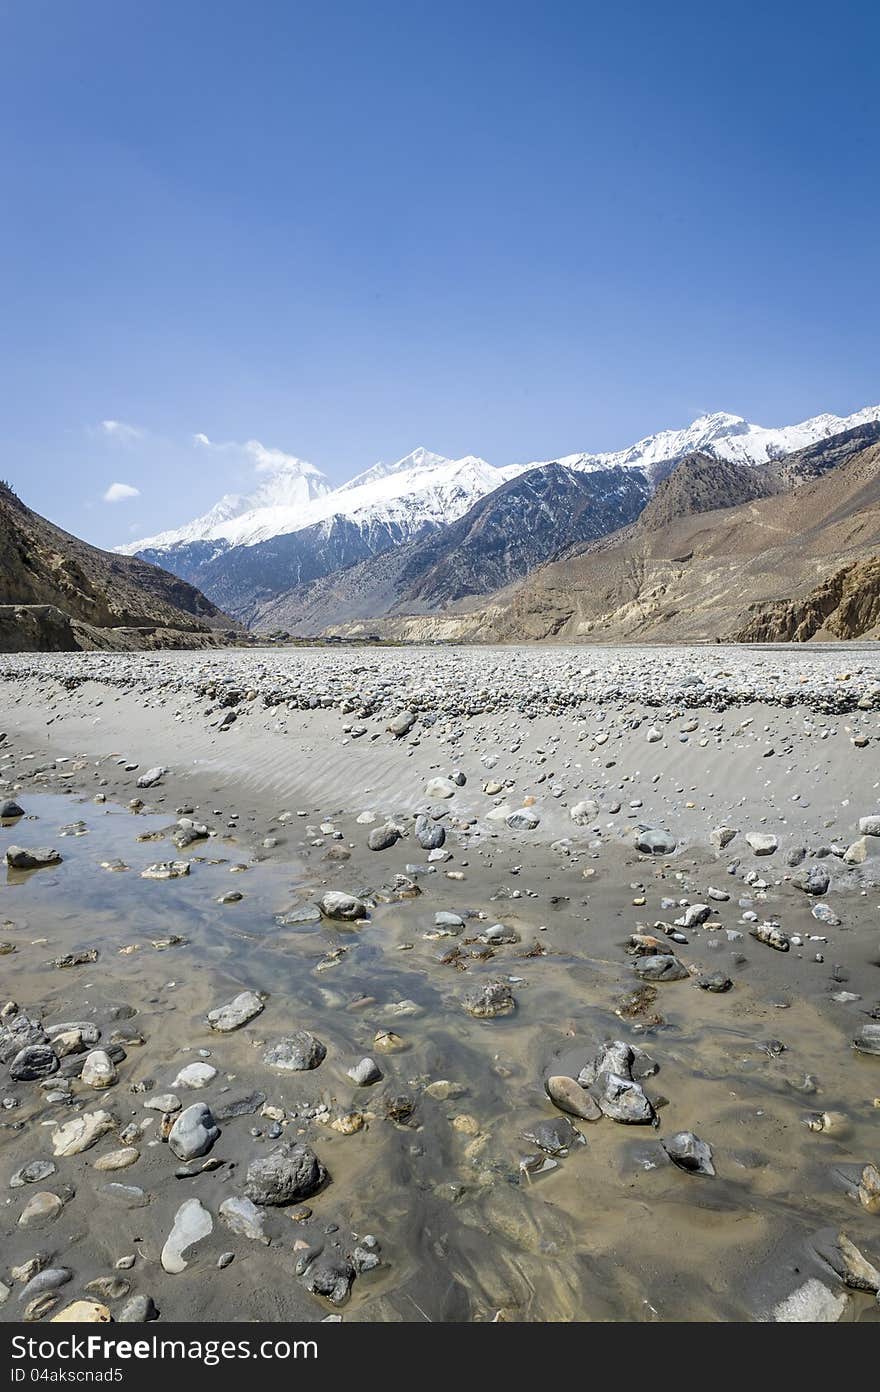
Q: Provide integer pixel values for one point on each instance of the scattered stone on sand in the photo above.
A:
(166, 870)
(330, 1275)
(660, 966)
(151, 777)
(569, 1096)
(244, 1007)
(192, 1223)
(195, 1075)
(244, 1218)
(298, 1052)
(83, 1312)
(20, 858)
(491, 999)
(42, 1207)
(286, 1176)
(811, 1303)
(194, 1132)
(654, 841)
(364, 1073)
(82, 1132)
(689, 1153)
(772, 936)
(336, 904)
(98, 1070)
(761, 843)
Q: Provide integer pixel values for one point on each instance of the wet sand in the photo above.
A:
(440, 1172)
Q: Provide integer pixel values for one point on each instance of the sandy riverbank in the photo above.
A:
(676, 744)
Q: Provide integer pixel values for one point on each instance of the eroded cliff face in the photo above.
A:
(846, 605)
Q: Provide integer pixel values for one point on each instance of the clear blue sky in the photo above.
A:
(344, 229)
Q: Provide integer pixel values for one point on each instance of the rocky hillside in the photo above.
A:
(503, 537)
(43, 568)
(790, 565)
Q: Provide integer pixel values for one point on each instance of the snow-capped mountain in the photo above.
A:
(296, 528)
(420, 488)
(721, 435)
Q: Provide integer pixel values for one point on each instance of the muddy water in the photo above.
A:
(614, 1231)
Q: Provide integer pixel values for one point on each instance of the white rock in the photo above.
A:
(192, 1222)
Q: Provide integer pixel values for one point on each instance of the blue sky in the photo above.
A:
(344, 229)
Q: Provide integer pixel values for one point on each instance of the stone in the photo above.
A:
(401, 724)
(33, 1062)
(693, 916)
(555, 1136)
(336, 904)
(194, 1132)
(83, 1312)
(814, 879)
(430, 834)
(715, 981)
(610, 1076)
(655, 841)
(244, 1218)
(365, 1073)
(761, 843)
(44, 1207)
(498, 935)
(868, 826)
(489, 1000)
(330, 1275)
(117, 1159)
(869, 1188)
(851, 1265)
(151, 777)
(867, 1041)
(32, 1173)
(523, 819)
(285, 1176)
(195, 1075)
(811, 1303)
(771, 936)
(166, 870)
(660, 966)
(721, 836)
(584, 812)
(298, 1053)
(163, 1102)
(99, 1070)
(689, 1153)
(192, 1223)
(20, 858)
(242, 1008)
(51, 1279)
(440, 788)
(139, 1309)
(82, 1132)
(9, 810)
(568, 1095)
(384, 837)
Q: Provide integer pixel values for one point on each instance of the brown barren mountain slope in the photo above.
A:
(789, 565)
(57, 590)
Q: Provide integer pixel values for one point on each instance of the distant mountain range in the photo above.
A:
(427, 533)
(786, 551)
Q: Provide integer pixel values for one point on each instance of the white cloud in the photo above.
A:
(266, 459)
(120, 492)
(270, 461)
(119, 430)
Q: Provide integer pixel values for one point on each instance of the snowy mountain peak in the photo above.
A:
(418, 459)
(424, 488)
